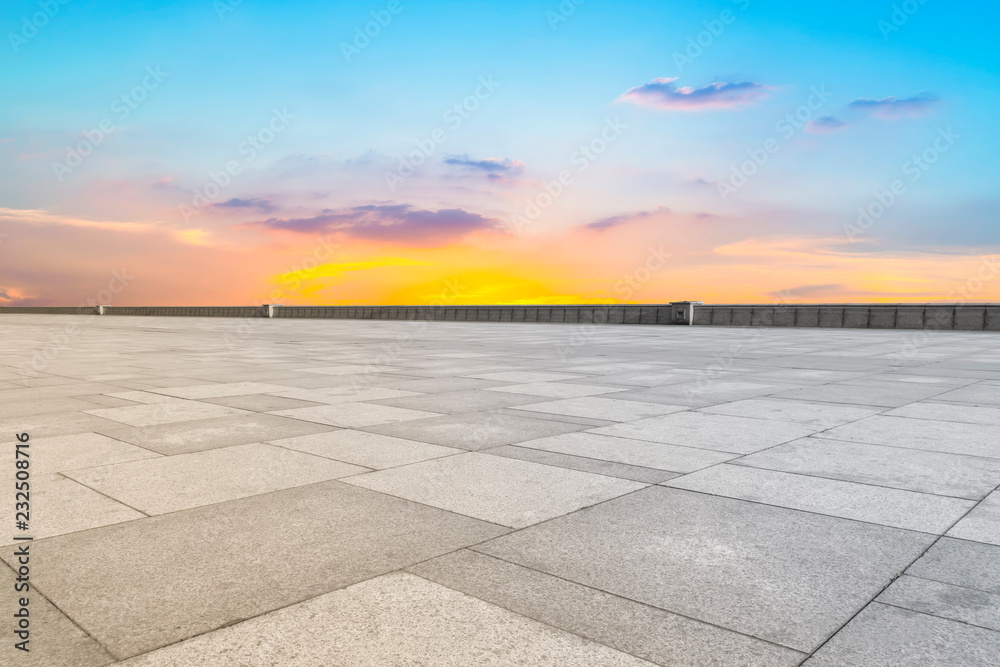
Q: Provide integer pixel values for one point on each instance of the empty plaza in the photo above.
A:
(224, 491)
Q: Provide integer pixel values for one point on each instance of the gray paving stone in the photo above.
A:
(478, 430)
(528, 376)
(166, 412)
(557, 389)
(55, 640)
(352, 393)
(504, 491)
(353, 415)
(418, 622)
(781, 575)
(885, 636)
(218, 390)
(889, 397)
(928, 434)
(911, 469)
(647, 632)
(962, 563)
(951, 412)
(967, 605)
(144, 584)
(820, 415)
(608, 409)
(629, 451)
(982, 524)
(172, 483)
(985, 395)
(204, 434)
(261, 402)
(456, 402)
(370, 450)
(861, 502)
(596, 466)
(739, 435)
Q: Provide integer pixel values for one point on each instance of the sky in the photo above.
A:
(517, 152)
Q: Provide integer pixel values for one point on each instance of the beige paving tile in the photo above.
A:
(182, 574)
(172, 483)
(164, 413)
(506, 491)
(629, 451)
(54, 640)
(59, 505)
(603, 408)
(219, 390)
(370, 450)
(352, 415)
(418, 623)
(202, 434)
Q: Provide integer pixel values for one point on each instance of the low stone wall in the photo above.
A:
(962, 317)
(598, 314)
(50, 310)
(188, 311)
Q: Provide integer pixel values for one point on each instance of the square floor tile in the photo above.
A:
(632, 452)
(172, 483)
(353, 415)
(219, 390)
(185, 573)
(740, 435)
(81, 450)
(370, 450)
(456, 402)
(477, 430)
(608, 409)
(203, 434)
(177, 410)
(418, 622)
(638, 629)
(60, 505)
(54, 640)
(952, 412)
(912, 469)
(557, 389)
(931, 435)
(861, 502)
(982, 524)
(885, 636)
(820, 415)
(781, 575)
(506, 491)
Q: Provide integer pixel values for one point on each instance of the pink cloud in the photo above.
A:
(662, 93)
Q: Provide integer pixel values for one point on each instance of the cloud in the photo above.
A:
(615, 221)
(399, 223)
(891, 107)
(806, 291)
(662, 93)
(825, 125)
(262, 205)
(41, 217)
(497, 169)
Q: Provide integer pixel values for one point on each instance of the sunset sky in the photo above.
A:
(402, 152)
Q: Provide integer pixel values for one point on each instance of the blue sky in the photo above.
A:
(561, 73)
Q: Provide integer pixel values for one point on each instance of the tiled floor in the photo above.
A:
(322, 492)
